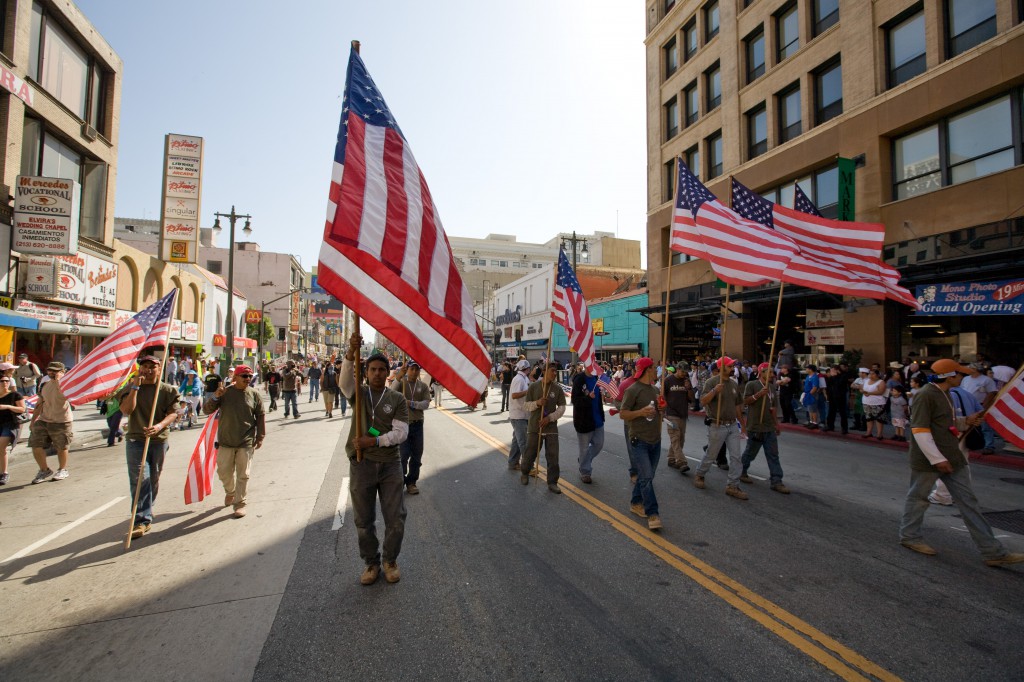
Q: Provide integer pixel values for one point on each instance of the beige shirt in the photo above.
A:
(53, 406)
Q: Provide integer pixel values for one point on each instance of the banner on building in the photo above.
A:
(1001, 297)
(41, 279)
(46, 215)
(182, 193)
(819, 318)
(828, 336)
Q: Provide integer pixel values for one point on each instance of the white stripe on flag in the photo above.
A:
(375, 193)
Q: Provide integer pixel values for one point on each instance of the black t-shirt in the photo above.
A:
(212, 382)
(506, 376)
(9, 419)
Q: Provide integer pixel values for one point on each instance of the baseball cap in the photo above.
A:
(763, 366)
(729, 362)
(22, 355)
(412, 364)
(55, 367)
(149, 358)
(243, 371)
(642, 364)
(946, 368)
(670, 369)
(522, 364)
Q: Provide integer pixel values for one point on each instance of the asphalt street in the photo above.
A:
(504, 581)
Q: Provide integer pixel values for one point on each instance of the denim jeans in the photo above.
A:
(274, 392)
(645, 458)
(629, 448)
(367, 480)
(518, 441)
(716, 436)
(990, 436)
(959, 485)
(314, 389)
(412, 452)
(341, 401)
(150, 475)
(505, 388)
(114, 426)
(289, 399)
(591, 443)
(770, 442)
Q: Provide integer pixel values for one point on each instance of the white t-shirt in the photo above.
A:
(979, 386)
(517, 406)
(869, 388)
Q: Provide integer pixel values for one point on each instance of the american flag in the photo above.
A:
(108, 364)
(1007, 413)
(610, 389)
(202, 467)
(740, 251)
(385, 253)
(570, 311)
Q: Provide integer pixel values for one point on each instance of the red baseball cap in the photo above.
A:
(642, 364)
(763, 366)
(243, 371)
(729, 362)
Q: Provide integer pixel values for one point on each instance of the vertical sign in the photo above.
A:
(46, 215)
(847, 189)
(181, 192)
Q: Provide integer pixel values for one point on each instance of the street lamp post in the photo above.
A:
(573, 241)
(247, 229)
(263, 305)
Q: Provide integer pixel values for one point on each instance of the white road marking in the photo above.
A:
(339, 514)
(57, 533)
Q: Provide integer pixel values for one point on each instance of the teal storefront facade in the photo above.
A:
(625, 333)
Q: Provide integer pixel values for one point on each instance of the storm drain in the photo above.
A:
(1012, 521)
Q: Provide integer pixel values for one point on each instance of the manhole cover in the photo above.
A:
(1012, 521)
(1018, 481)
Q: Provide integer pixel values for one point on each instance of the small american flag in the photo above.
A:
(605, 383)
(570, 311)
(202, 467)
(385, 254)
(109, 363)
(1007, 413)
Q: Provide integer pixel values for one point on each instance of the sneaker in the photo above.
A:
(638, 509)
(411, 489)
(139, 529)
(922, 548)
(1006, 559)
(744, 478)
(734, 491)
(654, 522)
(780, 488)
(229, 500)
(370, 574)
(698, 482)
(391, 572)
(553, 487)
(586, 479)
(4, 477)
(42, 476)
(239, 512)
(673, 464)
(935, 500)
(524, 479)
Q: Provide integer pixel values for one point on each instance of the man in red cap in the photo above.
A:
(240, 433)
(762, 427)
(721, 400)
(640, 411)
(938, 453)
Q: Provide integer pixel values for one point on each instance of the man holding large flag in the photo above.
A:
(385, 254)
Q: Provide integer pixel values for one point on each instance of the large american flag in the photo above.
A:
(385, 253)
(202, 467)
(108, 364)
(1007, 413)
(571, 311)
(740, 251)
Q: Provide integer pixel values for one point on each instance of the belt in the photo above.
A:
(723, 423)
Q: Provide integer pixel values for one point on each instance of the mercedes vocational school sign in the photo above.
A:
(46, 215)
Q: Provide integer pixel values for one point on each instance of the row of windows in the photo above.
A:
(981, 140)
(504, 263)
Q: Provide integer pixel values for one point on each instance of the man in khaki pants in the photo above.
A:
(239, 434)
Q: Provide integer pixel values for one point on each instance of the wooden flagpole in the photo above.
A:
(771, 353)
(152, 416)
(668, 297)
(544, 395)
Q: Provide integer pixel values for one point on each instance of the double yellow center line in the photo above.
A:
(841, 660)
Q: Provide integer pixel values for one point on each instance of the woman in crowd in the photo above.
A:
(809, 399)
(12, 404)
(874, 391)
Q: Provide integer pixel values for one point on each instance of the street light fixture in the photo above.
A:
(247, 229)
(572, 242)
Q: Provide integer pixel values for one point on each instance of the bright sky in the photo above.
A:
(526, 117)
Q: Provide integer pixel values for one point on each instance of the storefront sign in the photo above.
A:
(182, 192)
(16, 86)
(190, 331)
(122, 316)
(509, 316)
(61, 314)
(46, 215)
(253, 316)
(820, 318)
(42, 277)
(847, 188)
(598, 325)
(830, 336)
(1002, 297)
(175, 329)
(71, 279)
(294, 321)
(100, 283)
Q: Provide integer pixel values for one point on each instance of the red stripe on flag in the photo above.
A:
(350, 205)
(428, 237)
(392, 251)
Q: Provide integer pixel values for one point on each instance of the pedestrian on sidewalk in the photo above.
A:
(721, 399)
(517, 414)
(113, 415)
(385, 425)
(544, 409)
(788, 384)
(507, 374)
(438, 391)
(588, 420)
(137, 404)
(678, 396)
(51, 426)
(314, 373)
(983, 387)
(27, 375)
(12, 404)
(937, 453)
(291, 384)
(329, 387)
(417, 397)
(640, 412)
(240, 433)
(762, 428)
(272, 380)
(809, 397)
(192, 390)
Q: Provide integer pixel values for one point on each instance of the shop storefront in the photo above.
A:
(64, 334)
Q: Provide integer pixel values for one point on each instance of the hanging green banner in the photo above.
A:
(847, 189)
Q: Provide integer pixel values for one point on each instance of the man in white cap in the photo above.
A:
(517, 413)
(938, 453)
(721, 399)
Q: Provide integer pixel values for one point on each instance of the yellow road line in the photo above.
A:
(838, 658)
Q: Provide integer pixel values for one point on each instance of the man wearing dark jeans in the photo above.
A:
(417, 396)
(640, 411)
(291, 384)
(506, 384)
(837, 384)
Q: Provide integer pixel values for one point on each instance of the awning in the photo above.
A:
(220, 340)
(71, 329)
(16, 320)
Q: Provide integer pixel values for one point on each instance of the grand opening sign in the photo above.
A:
(1002, 297)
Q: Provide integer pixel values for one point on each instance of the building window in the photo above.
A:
(754, 47)
(787, 32)
(826, 191)
(980, 141)
(692, 157)
(671, 118)
(828, 92)
(826, 14)
(669, 4)
(789, 113)
(690, 38)
(671, 51)
(968, 23)
(692, 101)
(711, 24)
(714, 155)
(916, 160)
(757, 131)
(713, 85)
(906, 49)
(669, 184)
(214, 266)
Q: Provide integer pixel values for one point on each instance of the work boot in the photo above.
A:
(698, 482)
(524, 479)
(411, 489)
(229, 500)
(780, 488)
(674, 464)
(239, 511)
(139, 530)
(1006, 559)
(744, 478)
(370, 574)
(654, 522)
(391, 572)
(922, 548)
(553, 487)
(734, 491)
(684, 467)
(638, 509)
